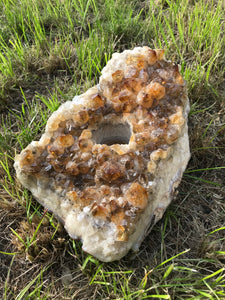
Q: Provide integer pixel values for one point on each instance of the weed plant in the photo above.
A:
(52, 50)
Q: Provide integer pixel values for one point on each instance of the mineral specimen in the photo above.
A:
(110, 160)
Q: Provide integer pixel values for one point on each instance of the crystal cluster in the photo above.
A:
(110, 160)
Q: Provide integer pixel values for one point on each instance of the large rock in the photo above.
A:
(110, 160)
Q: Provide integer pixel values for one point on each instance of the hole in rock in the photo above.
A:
(110, 134)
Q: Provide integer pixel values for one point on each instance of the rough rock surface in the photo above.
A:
(109, 161)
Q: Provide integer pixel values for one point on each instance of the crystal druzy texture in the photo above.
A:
(110, 160)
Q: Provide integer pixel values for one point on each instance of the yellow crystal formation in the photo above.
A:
(99, 163)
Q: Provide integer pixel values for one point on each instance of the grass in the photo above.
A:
(52, 50)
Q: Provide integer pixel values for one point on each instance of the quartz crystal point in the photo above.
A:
(110, 160)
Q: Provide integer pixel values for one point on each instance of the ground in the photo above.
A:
(51, 51)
